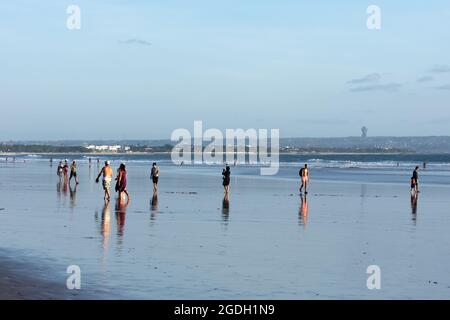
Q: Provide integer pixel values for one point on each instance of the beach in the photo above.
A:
(188, 243)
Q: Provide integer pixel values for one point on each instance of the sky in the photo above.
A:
(141, 69)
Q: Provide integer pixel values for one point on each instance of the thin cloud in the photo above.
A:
(136, 41)
(425, 79)
(389, 87)
(437, 121)
(440, 68)
(327, 121)
(443, 87)
(370, 78)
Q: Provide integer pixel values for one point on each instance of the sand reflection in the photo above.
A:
(414, 199)
(225, 209)
(106, 225)
(154, 206)
(73, 196)
(121, 213)
(303, 211)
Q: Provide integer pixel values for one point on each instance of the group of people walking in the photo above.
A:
(106, 173)
(63, 171)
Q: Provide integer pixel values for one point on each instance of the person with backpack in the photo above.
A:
(226, 174)
(304, 175)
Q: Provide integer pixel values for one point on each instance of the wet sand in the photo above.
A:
(20, 279)
(265, 242)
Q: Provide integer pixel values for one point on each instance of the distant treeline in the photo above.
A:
(168, 148)
(347, 150)
(150, 149)
(42, 149)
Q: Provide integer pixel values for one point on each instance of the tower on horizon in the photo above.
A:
(364, 132)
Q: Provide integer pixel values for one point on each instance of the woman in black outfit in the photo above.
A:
(226, 179)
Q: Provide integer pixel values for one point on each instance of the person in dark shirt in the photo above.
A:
(415, 180)
(73, 172)
(226, 179)
(154, 175)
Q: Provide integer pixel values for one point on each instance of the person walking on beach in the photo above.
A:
(154, 175)
(121, 181)
(73, 172)
(59, 170)
(415, 180)
(66, 171)
(226, 179)
(107, 173)
(304, 175)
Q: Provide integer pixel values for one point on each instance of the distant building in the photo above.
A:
(364, 132)
(104, 148)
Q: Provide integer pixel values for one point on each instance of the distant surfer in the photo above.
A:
(304, 175)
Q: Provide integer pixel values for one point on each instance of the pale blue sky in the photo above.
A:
(140, 69)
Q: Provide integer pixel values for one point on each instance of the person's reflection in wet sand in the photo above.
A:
(59, 189)
(303, 212)
(105, 225)
(73, 196)
(65, 186)
(59, 192)
(121, 212)
(226, 209)
(414, 197)
(154, 206)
